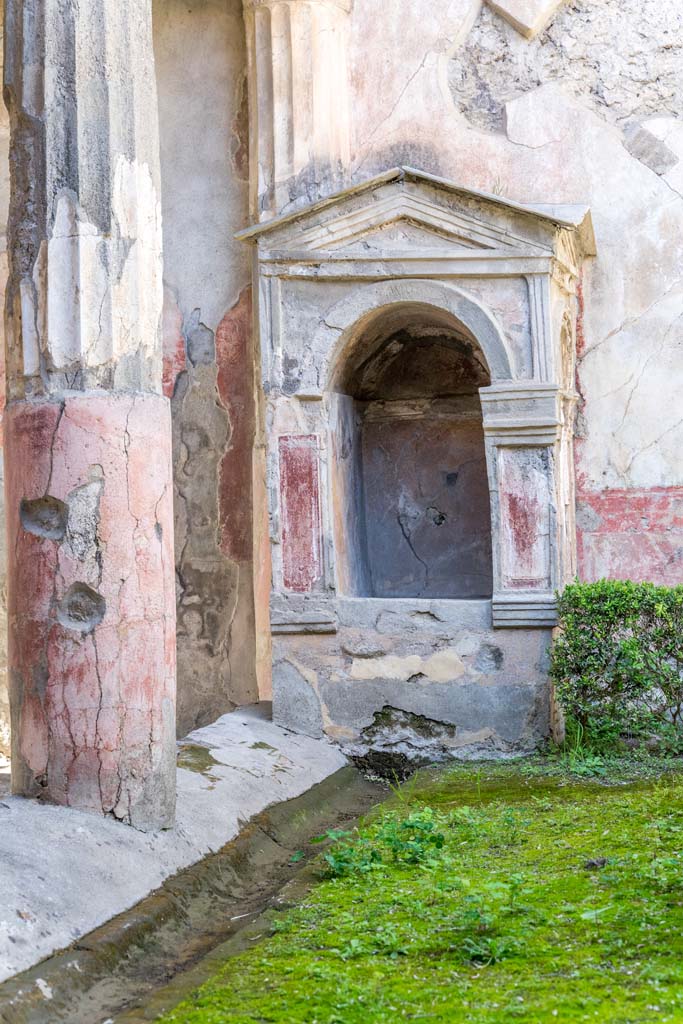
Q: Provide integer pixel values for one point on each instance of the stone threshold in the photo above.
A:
(180, 930)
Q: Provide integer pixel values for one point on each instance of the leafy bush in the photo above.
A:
(617, 662)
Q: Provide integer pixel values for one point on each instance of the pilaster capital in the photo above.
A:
(524, 413)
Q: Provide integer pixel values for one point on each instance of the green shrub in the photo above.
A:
(617, 662)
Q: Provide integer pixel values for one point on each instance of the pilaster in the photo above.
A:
(527, 426)
(298, 88)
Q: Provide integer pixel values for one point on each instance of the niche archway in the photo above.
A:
(411, 576)
(410, 489)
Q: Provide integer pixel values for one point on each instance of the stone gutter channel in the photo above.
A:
(144, 961)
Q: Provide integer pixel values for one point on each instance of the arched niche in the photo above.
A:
(408, 461)
(415, 347)
(353, 318)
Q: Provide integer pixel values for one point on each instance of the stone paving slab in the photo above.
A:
(64, 873)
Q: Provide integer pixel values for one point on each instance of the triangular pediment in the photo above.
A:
(402, 218)
(405, 211)
(402, 234)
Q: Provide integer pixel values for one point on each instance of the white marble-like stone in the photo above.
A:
(541, 117)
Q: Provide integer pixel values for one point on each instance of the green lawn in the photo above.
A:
(481, 894)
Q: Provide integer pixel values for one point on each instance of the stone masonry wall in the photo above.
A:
(586, 111)
(541, 102)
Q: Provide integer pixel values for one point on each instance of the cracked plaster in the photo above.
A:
(546, 121)
(207, 335)
(92, 655)
(575, 115)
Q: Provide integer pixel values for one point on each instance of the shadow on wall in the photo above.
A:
(207, 344)
(410, 462)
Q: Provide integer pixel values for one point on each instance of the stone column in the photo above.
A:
(88, 435)
(299, 108)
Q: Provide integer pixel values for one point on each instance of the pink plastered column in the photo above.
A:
(88, 433)
(92, 604)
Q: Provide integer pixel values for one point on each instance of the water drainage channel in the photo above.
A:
(143, 962)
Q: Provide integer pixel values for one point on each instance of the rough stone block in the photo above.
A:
(527, 16)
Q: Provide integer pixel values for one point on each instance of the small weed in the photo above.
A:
(488, 950)
(357, 857)
(388, 942)
(353, 949)
(409, 840)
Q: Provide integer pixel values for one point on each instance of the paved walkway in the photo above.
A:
(64, 873)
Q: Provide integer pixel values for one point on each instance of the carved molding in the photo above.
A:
(524, 610)
(522, 413)
(404, 240)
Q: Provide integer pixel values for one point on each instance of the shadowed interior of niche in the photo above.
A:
(411, 497)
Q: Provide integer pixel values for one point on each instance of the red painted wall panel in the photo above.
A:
(631, 534)
(300, 512)
(525, 521)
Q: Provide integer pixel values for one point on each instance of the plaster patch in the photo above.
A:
(651, 151)
(137, 310)
(540, 117)
(441, 667)
(173, 342)
(669, 130)
(83, 520)
(30, 342)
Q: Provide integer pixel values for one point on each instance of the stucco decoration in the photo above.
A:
(298, 89)
(404, 262)
(528, 16)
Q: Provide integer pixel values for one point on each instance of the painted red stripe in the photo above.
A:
(300, 512)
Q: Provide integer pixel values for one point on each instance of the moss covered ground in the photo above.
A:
(538, 891)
